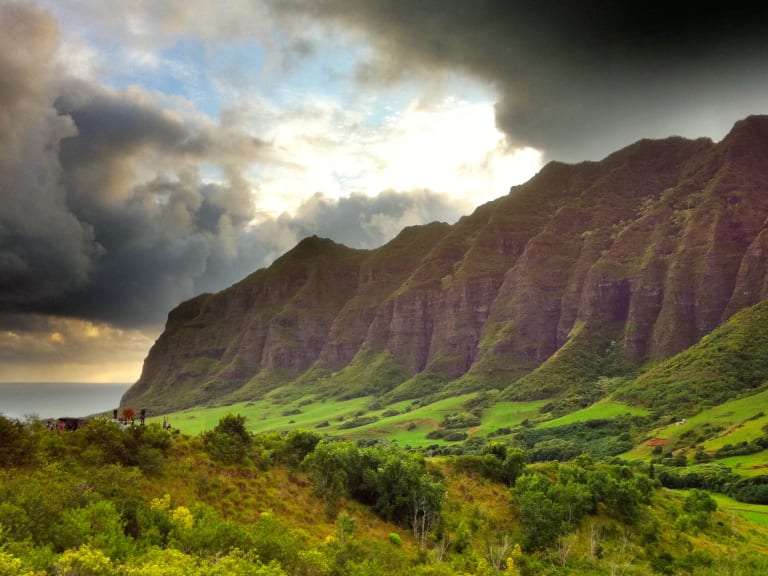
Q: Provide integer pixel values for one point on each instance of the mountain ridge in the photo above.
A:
(646, 251)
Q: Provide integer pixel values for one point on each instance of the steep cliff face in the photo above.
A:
(648, 250)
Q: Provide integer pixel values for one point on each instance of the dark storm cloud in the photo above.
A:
(44, 247)
(104, 213)
(576, 79)
(107, 214)
(120, 130)
(147, 271)
(176, 235)
(111, 122)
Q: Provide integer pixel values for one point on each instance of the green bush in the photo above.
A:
(497, 463)
(462, 420)
(229, 442)
(14, 443)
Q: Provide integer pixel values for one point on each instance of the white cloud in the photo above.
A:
(452, 147)
(335, 137)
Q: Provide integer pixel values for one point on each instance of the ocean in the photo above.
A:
(56, 399)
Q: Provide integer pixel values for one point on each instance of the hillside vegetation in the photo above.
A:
(730, 362)
(717, 385)
(143, 501)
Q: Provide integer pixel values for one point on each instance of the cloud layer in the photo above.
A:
(120, 203)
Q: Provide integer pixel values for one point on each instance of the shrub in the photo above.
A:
(463, 420)
(358, 421)
(752, 490)
(84, 561)
(14, 442)
(229, 441)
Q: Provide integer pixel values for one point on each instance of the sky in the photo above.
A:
(154, 150)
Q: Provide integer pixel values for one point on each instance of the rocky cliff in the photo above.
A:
(629, 259)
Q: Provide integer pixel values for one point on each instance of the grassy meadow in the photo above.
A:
(405, 423)
(755, 513)
(732, 422)
(264, 415)
(599, 410)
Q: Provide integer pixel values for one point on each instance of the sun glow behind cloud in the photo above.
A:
(51, 349)
(451, 148)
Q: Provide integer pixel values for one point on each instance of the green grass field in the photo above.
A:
(730, 423)
(600, 410)
(427, 418)
(749, 465)
(408, 426)
(263, 415)
(510, 414)
(753, 512)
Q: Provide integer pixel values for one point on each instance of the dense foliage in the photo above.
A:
(140, 501)
(600, 438)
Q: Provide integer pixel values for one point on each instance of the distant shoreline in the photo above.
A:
(59, 399)
(24, 383)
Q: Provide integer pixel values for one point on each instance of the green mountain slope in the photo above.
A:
(730, 362)
(561, 289)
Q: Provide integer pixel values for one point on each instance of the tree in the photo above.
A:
(540, 520)
(513, 465)
(229, 442)
(393, 483)
(497, 462)
(699, 505)
(298, 443)
(427, 501)
(327, 467)
(14, 442)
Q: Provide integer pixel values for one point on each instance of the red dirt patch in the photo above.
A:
(656, 442)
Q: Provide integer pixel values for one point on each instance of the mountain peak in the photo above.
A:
(752, 129)
(747, 143)
(629, 259)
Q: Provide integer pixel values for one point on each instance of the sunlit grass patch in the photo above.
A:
(604, 409)
(755, 513)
